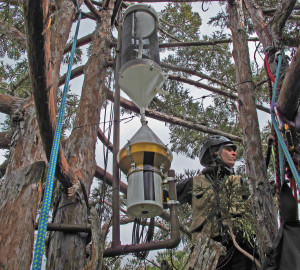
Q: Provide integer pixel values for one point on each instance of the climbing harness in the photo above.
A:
(40, 241)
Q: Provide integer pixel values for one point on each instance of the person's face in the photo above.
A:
(228, 156)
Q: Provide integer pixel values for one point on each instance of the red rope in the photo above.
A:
(267, 67)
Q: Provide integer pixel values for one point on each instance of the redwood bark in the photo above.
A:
(37, 23)
(266, 226)
(67, 251)
(290, 90)
(22, 184)
(17, 217)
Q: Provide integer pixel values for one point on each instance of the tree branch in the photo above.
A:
(242, 250)
(196, 73)
(104, 175)
(212, 89)
(126, 104)
(76, 72)
(200, 43)
(168, 35)
(9, 103)
(91, 7)
(80, 42)
(104, 140)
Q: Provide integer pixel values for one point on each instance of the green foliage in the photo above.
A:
(180, 22)
(178, 259)
(230, 199)
(12, 15)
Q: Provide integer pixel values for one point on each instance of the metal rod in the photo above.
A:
(116, 142)
(68, 228)
(169, 243)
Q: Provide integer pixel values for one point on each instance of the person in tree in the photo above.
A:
(218, 199)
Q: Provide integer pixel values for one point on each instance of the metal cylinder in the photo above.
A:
(144, 195)
(140, 76)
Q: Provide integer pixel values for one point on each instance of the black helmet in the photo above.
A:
(210, 146)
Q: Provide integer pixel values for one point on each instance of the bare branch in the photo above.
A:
(102, 174)
(104, 140)
(88, 15)
(9, 103)
(91, 7)
(242, 250)
(200, 43)
(76, 72)
(80, 42)
(212, 89)
(196, 73)
(168, 35)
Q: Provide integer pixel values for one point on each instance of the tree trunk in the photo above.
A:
(21, 193)
(68, 251)
(266, 226)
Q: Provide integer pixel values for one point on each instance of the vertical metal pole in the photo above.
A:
(116, 141)
(175, 234)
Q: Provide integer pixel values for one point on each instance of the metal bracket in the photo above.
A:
(133, 166)
(173, 202)
(169, 179)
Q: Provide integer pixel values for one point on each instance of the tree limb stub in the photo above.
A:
(9, 103)
(38, 44)
(126, 104)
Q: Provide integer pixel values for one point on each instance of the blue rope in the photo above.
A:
(281, 142)
(40, 241)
